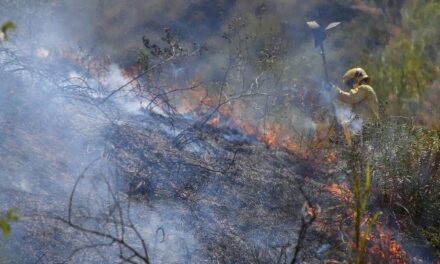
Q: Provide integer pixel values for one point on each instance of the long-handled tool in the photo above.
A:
(319, 35)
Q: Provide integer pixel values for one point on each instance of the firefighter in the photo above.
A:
(361, 96)
(363, 102)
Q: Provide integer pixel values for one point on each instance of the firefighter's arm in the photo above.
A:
(354, 96)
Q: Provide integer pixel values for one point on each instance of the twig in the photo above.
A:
(305, 224)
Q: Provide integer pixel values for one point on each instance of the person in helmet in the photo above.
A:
(361, 96)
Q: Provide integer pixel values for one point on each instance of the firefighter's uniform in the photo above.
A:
(361, 96)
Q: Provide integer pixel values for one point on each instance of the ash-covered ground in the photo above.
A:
(240, 199)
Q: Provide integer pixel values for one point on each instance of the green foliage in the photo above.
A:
(143, 59)
(406, 67)
(5, 218)
(5, 28)
(433, 236)
(361, 191)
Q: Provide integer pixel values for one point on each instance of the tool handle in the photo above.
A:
(324, 62)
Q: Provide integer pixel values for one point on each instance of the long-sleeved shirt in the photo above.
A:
(363, 101)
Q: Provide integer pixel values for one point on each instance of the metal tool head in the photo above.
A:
(319, 33)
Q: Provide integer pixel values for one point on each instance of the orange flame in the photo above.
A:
(245, 127)
(215, 121)
(386, 249)
(271, 136)
(331, 157)
(341, 192)
(274, 135)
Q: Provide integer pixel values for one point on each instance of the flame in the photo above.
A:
(232, 115)
(342, 192)
(291, 146)
(214, 121)
(194, 98)
(248, 129)
(270, 137)
(185, 106)
(386, 249)
(198, 99)
(331, 157)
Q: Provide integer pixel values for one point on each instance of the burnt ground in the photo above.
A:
(201, 194)
(243, 200)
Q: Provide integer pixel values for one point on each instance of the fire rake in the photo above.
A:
(319, 35)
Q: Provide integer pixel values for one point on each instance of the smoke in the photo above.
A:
(46, 141)
(345, 115)
(48, 137)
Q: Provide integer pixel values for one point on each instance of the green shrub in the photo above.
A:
(406, 67)
(406, 159)
(361, 191)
